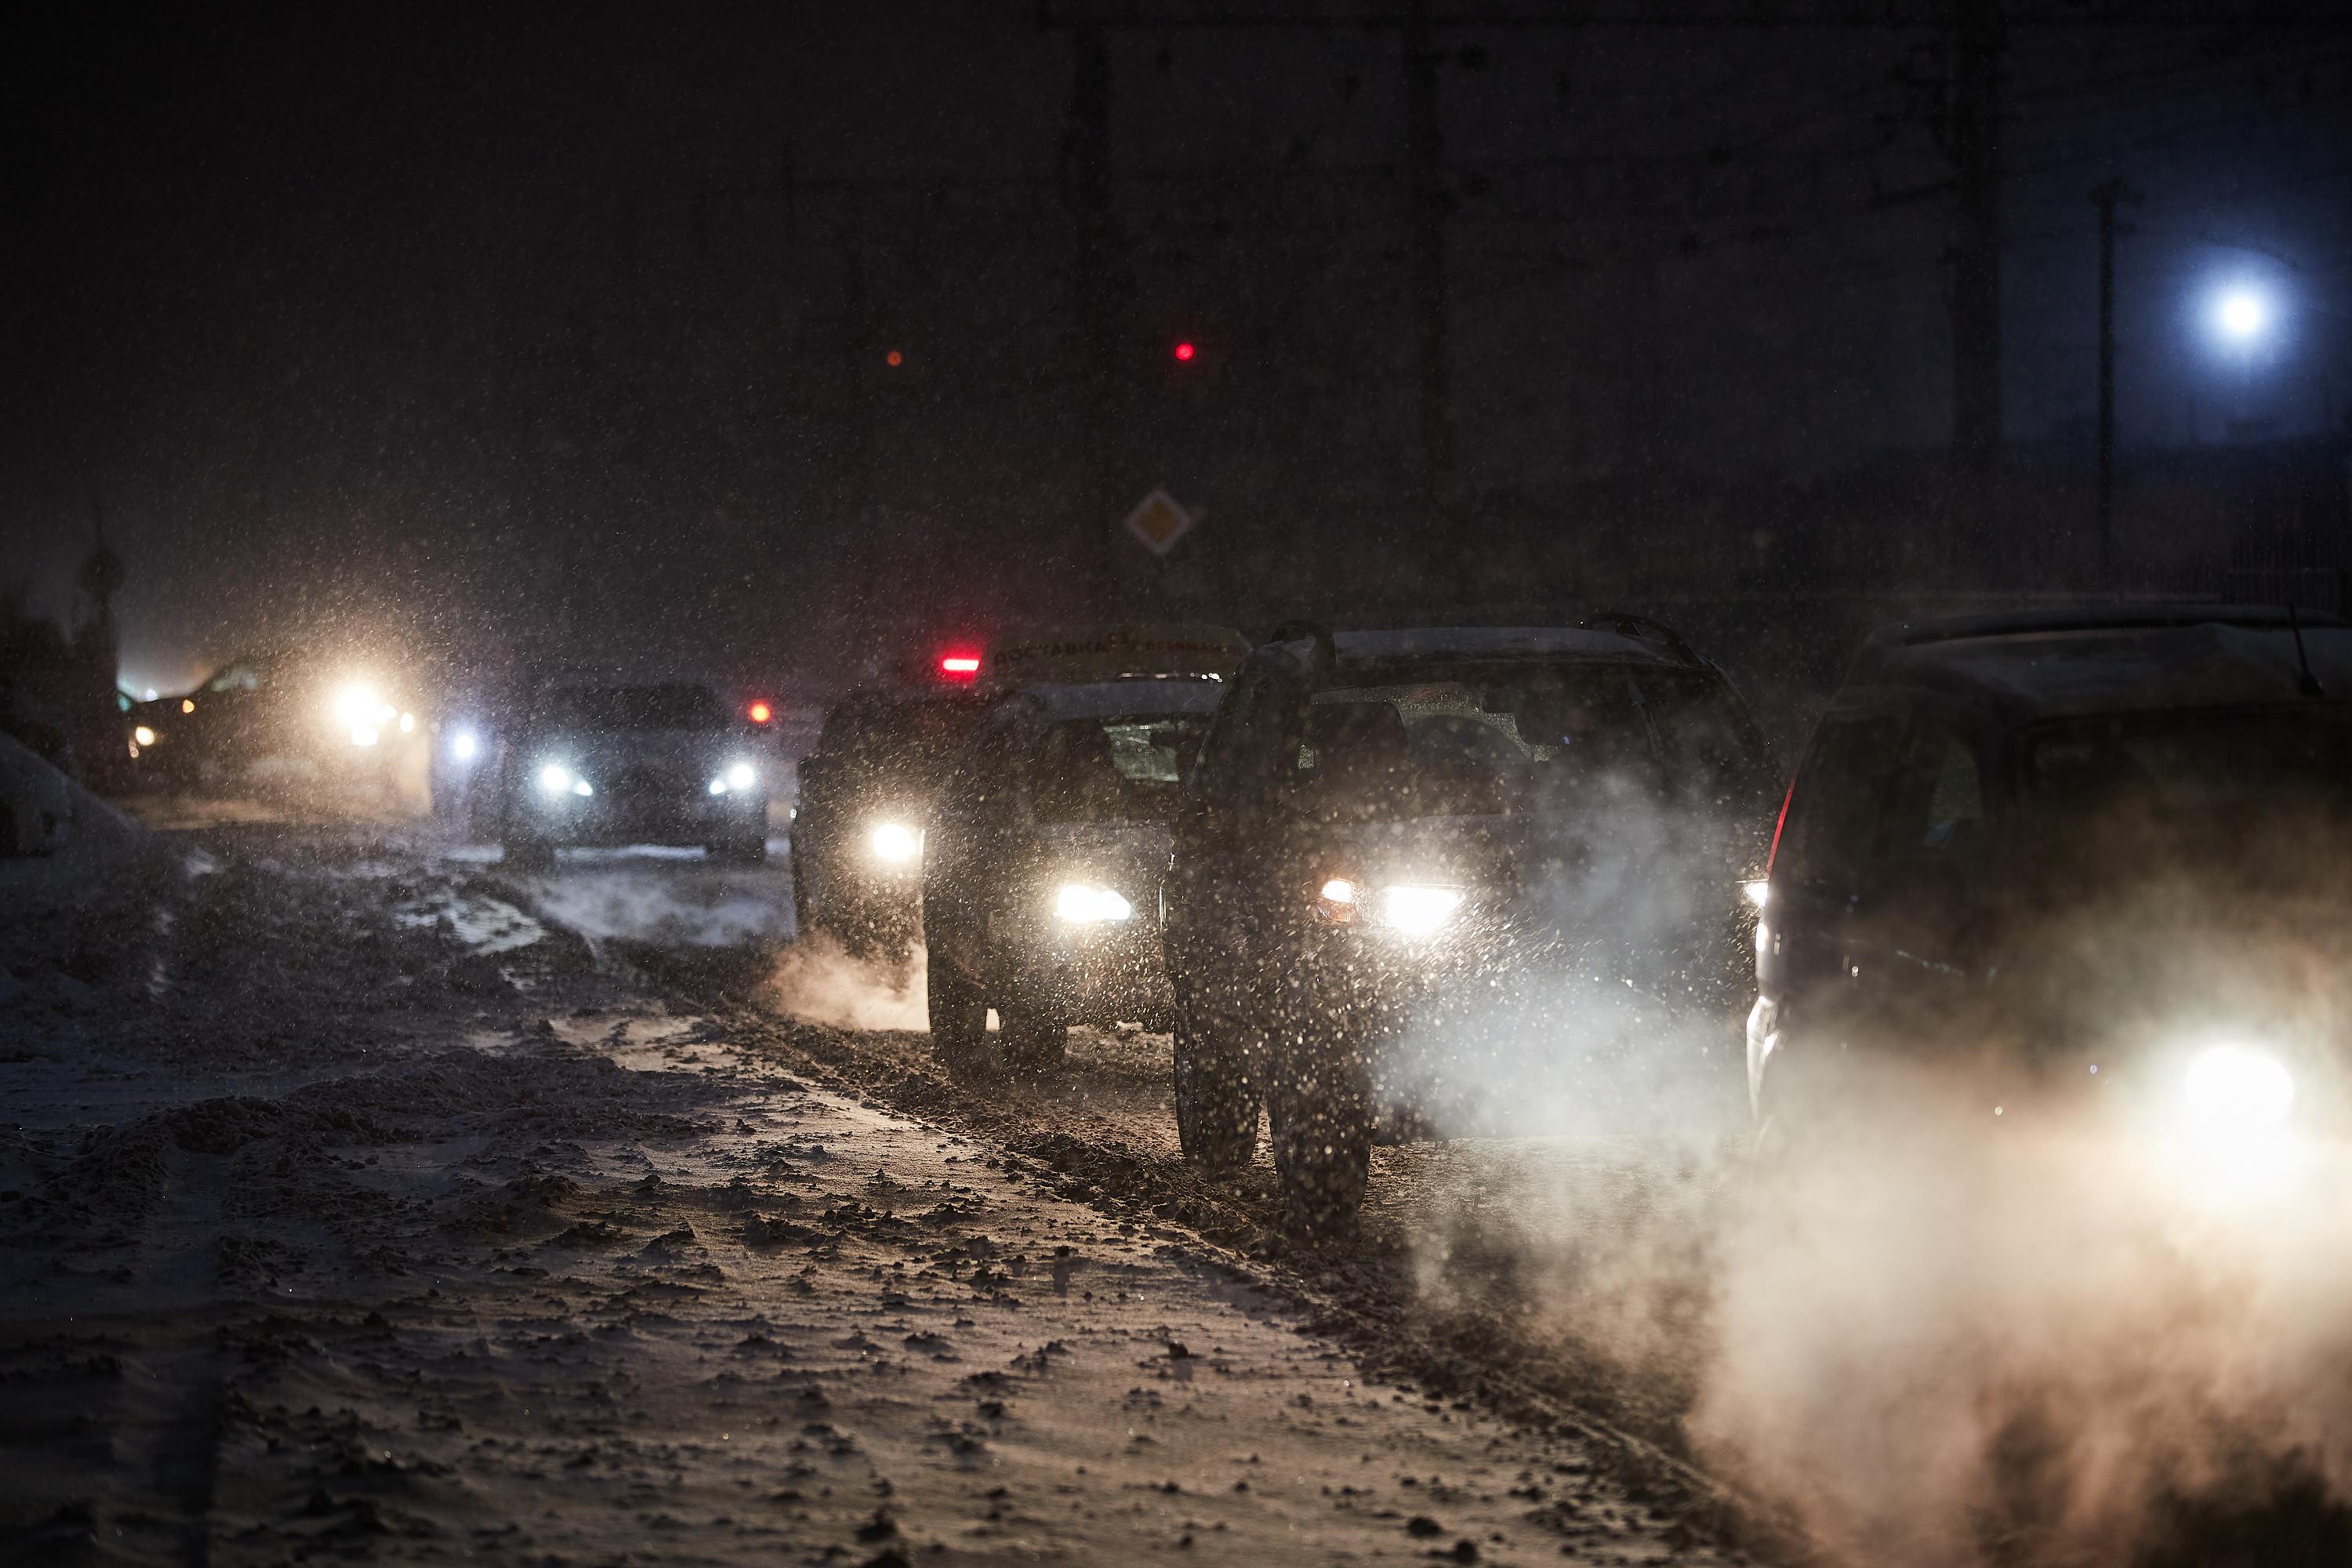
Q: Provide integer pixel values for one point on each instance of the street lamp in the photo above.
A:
(2243, 314)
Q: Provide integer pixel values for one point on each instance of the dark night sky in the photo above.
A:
(507, 332)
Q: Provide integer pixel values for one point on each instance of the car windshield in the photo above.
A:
(671, 706)
(1114, 770)
(1516, 738)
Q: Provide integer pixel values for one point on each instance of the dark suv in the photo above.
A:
(2064, 862)
(1401, 849)
(865, 797)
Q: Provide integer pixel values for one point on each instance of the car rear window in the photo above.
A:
(1499, 739)
(675, 705)
(921, 735)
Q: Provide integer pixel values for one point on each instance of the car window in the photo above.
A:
(1939, 804)
(1834, 811)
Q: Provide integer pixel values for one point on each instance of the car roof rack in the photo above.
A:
(2096, 618)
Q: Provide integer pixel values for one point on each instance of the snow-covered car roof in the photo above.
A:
(2057, 665)
(1115, 699)
(1486, 642)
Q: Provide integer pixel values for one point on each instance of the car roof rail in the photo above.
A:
(1327, 648)
(1641, 629)
(2097, 618)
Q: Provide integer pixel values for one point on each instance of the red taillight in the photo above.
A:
(1184, 352)
(760, 713)
(1779, 823)
(960, 666)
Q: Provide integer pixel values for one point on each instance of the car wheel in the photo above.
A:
(1216, 1098)
(527, 853)
(1321, 1113)
(803, 897)
(745, 851)
(1033, 1036)
(958, 1015)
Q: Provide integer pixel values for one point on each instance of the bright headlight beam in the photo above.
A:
(740, 776)
(2237, 1093)
(465, 746)
(1081, 903)
(555, 778)
(893, 843)
(1416, 911)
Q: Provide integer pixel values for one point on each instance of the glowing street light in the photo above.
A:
(2243, 313)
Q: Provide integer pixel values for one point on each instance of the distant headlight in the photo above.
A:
(557, 779)
(144, 735)
(465, 746)
(894, 843)
(1081, 904)
(407, 722)
(2237, 1095)
(742, 776)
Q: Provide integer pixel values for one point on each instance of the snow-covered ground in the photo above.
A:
(355, 1207)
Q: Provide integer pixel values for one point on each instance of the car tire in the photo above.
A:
(1321, 1114)
(739, 851)
(958, 1015)
(805, 921)
(1217, 1099)
(1033, 1036)
(527, 853)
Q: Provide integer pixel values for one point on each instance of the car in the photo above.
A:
(1042, 868)
(883, 756)
(259, 720)
(1399, 835)
(866, 794)
(605, 761)
(2068, 861)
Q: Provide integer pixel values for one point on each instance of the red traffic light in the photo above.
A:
(960, 666)
(1184, 352)
(760, 713)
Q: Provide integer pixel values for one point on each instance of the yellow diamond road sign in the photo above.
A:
(1160, 522)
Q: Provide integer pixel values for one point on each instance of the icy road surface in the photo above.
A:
(364, 1203)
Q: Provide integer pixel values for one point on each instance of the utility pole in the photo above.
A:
(1426, 205)
(1972, 141)
(2105, 196)
(1096, 284)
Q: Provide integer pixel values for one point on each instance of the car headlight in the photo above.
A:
(1758, 893)
(739, 776)
(465, 745)
(2237, 1095)
(1082, 904)
(557, 779)
(1418, 911)
(144, 735)
(894, 843)
(1411, 908)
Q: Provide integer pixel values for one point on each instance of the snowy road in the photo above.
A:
(362, 1203)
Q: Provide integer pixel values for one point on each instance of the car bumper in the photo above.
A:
(698, 818)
